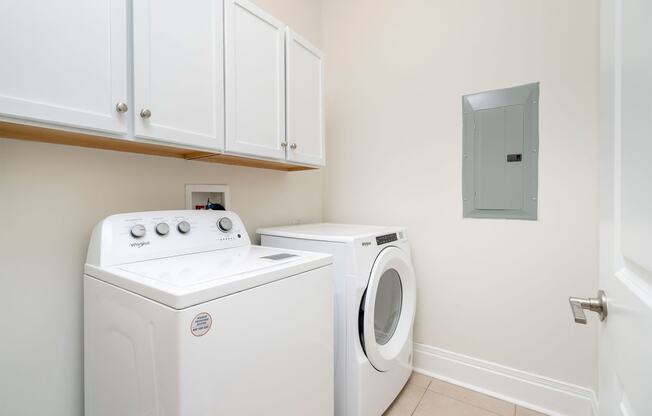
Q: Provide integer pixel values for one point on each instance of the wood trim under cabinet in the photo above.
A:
(41, 134)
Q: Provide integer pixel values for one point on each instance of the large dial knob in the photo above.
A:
(162, 228)
(138, 230)
(224, 224)
(183, 227)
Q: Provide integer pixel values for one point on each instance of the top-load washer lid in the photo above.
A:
(187, 280)
(330, 232)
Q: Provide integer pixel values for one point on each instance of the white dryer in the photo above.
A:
(375, 297)
(184, 317)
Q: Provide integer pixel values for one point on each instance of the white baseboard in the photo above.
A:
(543, 394)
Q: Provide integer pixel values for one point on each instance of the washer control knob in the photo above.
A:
(224, 224)
(138, 231)
(183, 227)
(162, 228)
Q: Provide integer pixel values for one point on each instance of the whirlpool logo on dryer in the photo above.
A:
(140, 244)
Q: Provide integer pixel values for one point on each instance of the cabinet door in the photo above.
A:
(65, 62)
(305, 102)
(178, 72)
(255, 81)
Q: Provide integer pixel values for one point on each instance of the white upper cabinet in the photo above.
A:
(65, 63)
(255, 81)
(178, 72)
(222, 76)
(305, 102)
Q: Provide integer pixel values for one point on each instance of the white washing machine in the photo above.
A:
(184, 317)
(375, 297)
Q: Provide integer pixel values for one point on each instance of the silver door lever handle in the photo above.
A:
(598, 305)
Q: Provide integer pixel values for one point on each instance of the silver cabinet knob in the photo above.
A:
(284, 144)
(598, 305)
(293, 146)
(121, 107)
(138, 231)
(162, 228)
(183, 227)
(145, 113)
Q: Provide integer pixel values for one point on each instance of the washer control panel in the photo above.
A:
(124, 238)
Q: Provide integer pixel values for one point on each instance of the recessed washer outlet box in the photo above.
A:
(199, 195)
(500, 153)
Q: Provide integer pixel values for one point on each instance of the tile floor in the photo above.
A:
(425, 396)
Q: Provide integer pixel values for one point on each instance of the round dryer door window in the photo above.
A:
(387, 309)
(389, 298)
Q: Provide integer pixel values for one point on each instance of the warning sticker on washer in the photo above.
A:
(201, 324)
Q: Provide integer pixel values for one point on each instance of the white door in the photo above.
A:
(65, 62)
(305, 102)
(255, 81)
(388, 307)
(626, 220)
(178, 72)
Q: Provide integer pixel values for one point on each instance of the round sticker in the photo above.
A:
(201, 324)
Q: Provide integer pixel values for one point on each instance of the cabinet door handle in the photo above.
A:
(145, 113)
(293, 146)
(284, 144)
(121, 107)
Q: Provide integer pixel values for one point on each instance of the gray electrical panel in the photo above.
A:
(501, 147)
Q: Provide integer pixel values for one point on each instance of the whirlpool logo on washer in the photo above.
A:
(140, 244)
(366, 243)
(201, 324)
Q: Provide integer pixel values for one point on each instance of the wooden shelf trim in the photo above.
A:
(41, 134)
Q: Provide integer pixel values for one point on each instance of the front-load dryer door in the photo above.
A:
(387, 309)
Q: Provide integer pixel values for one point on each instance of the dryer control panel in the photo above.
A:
(126, 238)
(386, 239)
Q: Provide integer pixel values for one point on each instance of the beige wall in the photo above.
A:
(303, 16)
(492, 289)
(50, 198)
